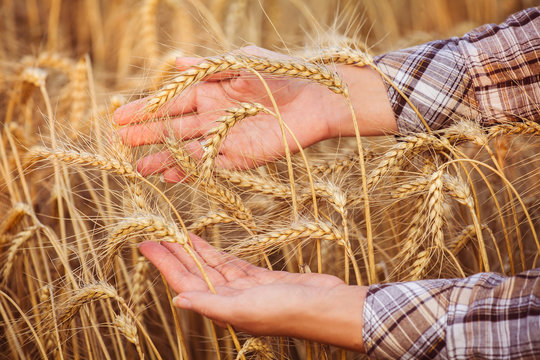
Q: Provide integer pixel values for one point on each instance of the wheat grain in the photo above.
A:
(17, 241)
(216, 135)
(435, 201)
(74, 157)
(255, 183)
(258, 346)
(13, 217)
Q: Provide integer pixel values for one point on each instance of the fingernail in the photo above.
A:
(181, 302)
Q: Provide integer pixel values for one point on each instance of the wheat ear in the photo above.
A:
(255, 183)
(258, 346)
(222, 194)
(17, 241)
(215, 65)
(338, 166)
(14, 217)
(74, 157)
(153, 226)
(525, 128)
(419, 266)
(316, 230)
(407, 147)
(217, 134)
(126, 327)
(435, 201)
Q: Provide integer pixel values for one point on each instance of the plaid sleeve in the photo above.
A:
(491, 74)
(485, 316)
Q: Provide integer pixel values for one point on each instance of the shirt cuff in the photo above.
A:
(406, 320)
(485, 315)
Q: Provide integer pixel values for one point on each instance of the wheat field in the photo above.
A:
(73, 285)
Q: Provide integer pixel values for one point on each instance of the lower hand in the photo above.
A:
(316, 307)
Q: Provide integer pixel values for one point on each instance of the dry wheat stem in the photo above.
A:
(41, 346)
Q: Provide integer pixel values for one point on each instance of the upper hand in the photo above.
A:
(305, 108)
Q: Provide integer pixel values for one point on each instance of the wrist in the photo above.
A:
(336, 317)
(369, 99)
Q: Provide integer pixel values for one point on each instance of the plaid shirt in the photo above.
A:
(491, 74)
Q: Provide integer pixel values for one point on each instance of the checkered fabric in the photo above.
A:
(490, 75)
(485, 316)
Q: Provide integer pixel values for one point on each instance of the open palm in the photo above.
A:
(253, 299)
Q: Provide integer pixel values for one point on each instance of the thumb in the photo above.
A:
(215, 307)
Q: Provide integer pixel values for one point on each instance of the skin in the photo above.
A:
(316, 307)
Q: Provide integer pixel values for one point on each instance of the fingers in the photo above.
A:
(173, 270)
(229, 266)
(161, 162)
(174, 175)
(213, 306)
(191, 266)
(134, 112)
(183, 128)
(225, 160)
(155, 163)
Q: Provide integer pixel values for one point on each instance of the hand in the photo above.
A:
(317, 307)
(311, 111)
